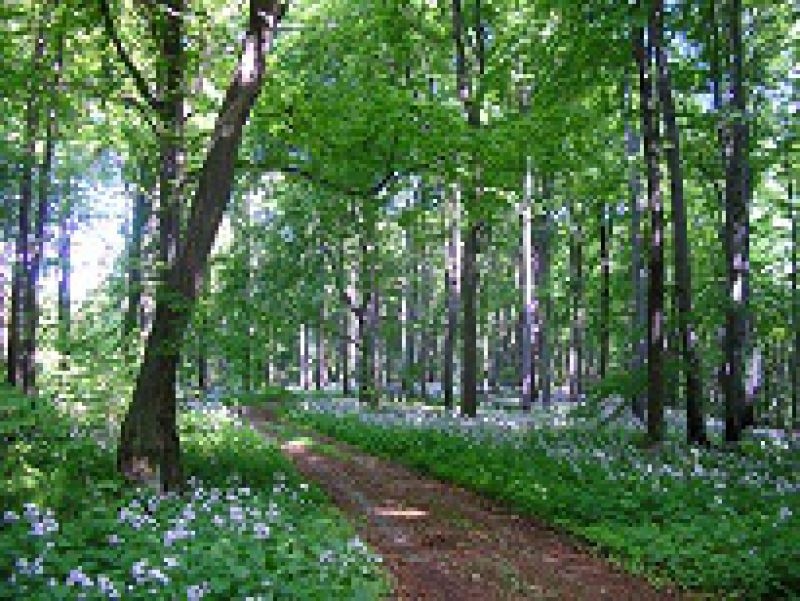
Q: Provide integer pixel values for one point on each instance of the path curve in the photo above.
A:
(441, 542)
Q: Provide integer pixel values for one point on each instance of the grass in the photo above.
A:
(723, 523)
(247, 526)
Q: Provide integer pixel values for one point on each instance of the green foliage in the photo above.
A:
(246, 525)
(702, 534)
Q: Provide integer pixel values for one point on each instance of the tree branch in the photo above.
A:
(141, 84)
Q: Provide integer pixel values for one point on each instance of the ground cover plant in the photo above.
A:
(709, 520)
(245, 527)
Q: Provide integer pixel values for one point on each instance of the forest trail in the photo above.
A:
(441, 542)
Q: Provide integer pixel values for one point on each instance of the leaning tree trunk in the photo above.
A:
(168, 27)
(149, 448)
(695, 423)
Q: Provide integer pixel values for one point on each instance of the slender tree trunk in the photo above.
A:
(469, 287)
(605, 290)
(135, 258)
(5, 260)
(577, 318)
(305, 357)
(65, 272)
(202, 360)
(319, 351)
(736, 235)
(528, 295)
(18, 362)
(637, 207)
(795, 368)
(655, 314)
(543, 285)
(452, 286)
(695, 422)
(344, 351)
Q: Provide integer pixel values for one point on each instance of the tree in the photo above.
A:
(695, 422)
(149, 447)
(655, 297)
(736, 232)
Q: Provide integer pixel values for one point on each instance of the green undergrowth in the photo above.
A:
(246, 525)
(713, 535)
(268, 394)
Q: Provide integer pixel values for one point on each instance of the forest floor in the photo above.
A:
(441, 542)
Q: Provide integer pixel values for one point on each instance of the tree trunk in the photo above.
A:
(637, 207)
(543, 284)
(18, 362)
(168, 26)
(795, 377)
(655, 298)
(469, 290)
(526, 285)
(452, 286)
(139, 217)
(605, 292)
(695, 422)
(577, 317)
(344, 351)
(65, 271)
(736, 235)
(149, 448)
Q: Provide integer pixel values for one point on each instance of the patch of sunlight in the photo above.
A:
(399, 513)
(298, 444)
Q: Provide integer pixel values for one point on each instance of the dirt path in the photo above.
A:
(441, 542)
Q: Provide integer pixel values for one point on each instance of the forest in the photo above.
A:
(399, 299)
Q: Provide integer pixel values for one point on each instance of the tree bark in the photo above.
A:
(577, 317)
(528, 294)
(168, 27)
(149, 449)
(18, 346)
(135, 256)
(695, 422)
(736, 235)
(655, 298)
(452, 286)
(637, 207)
(65, 272)
(469, 288)
(795, 377)
(605, 290)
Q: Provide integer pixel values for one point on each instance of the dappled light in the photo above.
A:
(399, 299)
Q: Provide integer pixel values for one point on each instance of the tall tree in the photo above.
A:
(453, 289)
(695, 422)
(20, 311)
(149, 448)
(527, 286)
(736, 230)
(637, 206)
(655, 297)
